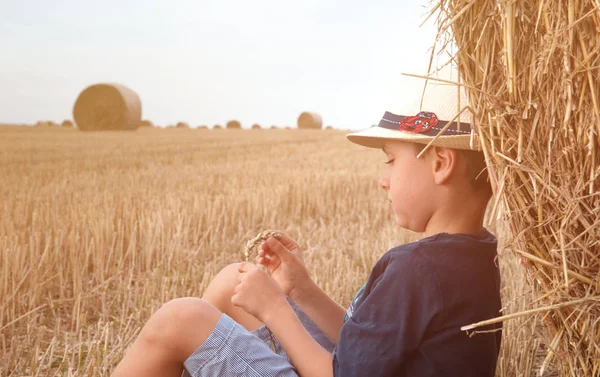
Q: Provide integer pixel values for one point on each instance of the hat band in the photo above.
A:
(424, 123)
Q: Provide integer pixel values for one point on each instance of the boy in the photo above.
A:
(406, 319)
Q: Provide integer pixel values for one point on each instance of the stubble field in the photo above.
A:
(97, 230)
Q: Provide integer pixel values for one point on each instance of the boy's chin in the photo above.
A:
(404, 224)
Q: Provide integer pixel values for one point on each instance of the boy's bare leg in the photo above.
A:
(173, 333)
(180, 326)
(219, 293)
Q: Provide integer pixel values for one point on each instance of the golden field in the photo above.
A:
(97, 230)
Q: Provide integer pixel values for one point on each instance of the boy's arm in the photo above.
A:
(325, 313)
(306, 355)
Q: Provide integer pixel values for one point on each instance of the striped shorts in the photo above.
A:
(231, 351)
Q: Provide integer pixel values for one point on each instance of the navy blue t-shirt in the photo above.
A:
(406, 320)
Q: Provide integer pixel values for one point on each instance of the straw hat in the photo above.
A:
(432, 109)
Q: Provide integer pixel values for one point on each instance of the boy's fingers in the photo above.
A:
(246, 267)
(284, 238)
(277, 248)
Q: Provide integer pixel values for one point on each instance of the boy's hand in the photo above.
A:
(283, 258)
(257, 293)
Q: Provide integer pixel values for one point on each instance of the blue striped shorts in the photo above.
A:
(231, 351)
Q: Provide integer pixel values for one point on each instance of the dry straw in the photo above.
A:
(107, 107)
(531, 68)
(250, 246)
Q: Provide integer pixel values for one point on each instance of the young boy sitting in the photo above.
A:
(404, 321)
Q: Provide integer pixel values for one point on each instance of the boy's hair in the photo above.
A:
(477, 172)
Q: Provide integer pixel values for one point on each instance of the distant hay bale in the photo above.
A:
(146, 123)
(182, 125)
(256, 126)
(46, 123)
(217, 127)
(203, 127)
(273, 127)
(107, 107)
(308, 120)
(67, 124)
(288, 127)
(233, 124)
(329, 128)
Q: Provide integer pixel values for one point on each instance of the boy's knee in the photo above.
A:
(222, 286)
(180, 326)
(231, 271)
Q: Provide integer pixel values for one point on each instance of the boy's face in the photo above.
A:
(410, 185)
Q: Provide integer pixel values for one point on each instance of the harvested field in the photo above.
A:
(99, 229)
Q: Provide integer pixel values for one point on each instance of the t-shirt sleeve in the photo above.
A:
(390, 320)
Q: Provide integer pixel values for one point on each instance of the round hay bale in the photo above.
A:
(234, 124)
(308, 120)
(202, 127)
(329, 128)
(256, 126)
(273, 127)
(217, 127)
(535, 59)
(182, 125)
(107, 107)
(146, 123)
(67, 124)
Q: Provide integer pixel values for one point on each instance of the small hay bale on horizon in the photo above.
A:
(308, 120)
(256, 126)
(183, 125)
(217, 127)
(202, 127)
(233, 124)
(146, 123)
(102, 107)
(46, 123)
(67, 124)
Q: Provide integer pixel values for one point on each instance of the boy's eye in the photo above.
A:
(389, 161)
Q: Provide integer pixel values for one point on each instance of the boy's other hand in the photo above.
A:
(283, 258)
(257, 293)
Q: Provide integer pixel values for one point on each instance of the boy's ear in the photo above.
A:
(443, 163)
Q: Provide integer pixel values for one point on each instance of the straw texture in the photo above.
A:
(531, 68)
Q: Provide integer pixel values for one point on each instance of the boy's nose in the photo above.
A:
(384, 183)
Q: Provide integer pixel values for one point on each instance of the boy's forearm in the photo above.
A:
(307, 356)
(326, 313)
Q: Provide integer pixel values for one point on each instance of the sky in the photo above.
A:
(206, 62)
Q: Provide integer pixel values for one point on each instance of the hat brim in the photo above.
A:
(374, 137)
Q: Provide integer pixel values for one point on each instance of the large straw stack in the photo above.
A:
(107, 107)
(532, 70)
